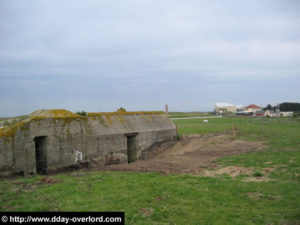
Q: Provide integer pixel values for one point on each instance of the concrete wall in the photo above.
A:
(101, 140)
(6, 157)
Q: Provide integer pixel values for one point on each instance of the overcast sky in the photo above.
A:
(97, 55)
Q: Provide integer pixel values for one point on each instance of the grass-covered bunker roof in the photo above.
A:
(64, 114)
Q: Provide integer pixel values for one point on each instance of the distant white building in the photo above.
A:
(270, 113)
(222, 107)
(253, 108)
(286, 114)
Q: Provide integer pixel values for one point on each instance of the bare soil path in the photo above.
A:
(192, 154)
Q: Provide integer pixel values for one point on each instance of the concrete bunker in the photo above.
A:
(54, 140)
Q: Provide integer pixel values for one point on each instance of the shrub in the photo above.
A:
(257, 174)
(82, 113)
(14, 121)
(179, 137)
(121, 110)
(296, 114)
(6, 123)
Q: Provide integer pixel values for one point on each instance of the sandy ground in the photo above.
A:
(192, 154)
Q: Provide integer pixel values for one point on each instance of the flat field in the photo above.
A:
(254, 187)
(189, 114)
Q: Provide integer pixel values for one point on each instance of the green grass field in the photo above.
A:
(189, 114)
(152, 198)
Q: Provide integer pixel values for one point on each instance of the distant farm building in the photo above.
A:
(270, 113)
(53, 140)
(224, 107)
(253, 108)
(286, 114)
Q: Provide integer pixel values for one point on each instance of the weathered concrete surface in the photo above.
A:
(92, 141)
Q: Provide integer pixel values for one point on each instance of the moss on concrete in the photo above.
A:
(68, 117)
(54, 113)
(11, 131)
(108, 120)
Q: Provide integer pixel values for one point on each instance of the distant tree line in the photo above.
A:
(289, 106)
(285, 107)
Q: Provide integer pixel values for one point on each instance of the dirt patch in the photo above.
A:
(193, 154)
(292, 160)
(232, 171)
(146, 211)
(254, 195)
(160, 198)
(49, 180)
(29, 187)
(77, 174)
(256, 179)
(268, 170)
(258, 196)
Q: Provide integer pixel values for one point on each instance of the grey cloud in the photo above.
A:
(98, 55)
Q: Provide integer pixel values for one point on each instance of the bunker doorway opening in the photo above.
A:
(41, 154)
(131, 147)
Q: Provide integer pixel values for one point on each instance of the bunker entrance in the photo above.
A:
(41, 154)
(131, 148)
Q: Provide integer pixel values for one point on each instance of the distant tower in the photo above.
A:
(166, 109)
